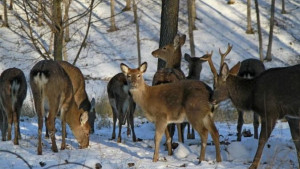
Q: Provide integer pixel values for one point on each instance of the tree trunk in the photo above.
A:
(66, 19)
(269, 51)
(193, 11)
(283, 11)
(230, 2)
(169, 24)
(5, 22)
(128, 6)
(261, 56)
(137, 32)
(191, 26)
(59, 32)
(11, 5)
(112, 17)
(40, 13)
(249, 26)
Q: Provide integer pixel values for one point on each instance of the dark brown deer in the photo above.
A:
(171, 54)
(250, 68)
(173, 103)
(13, 90)
(122, 105)
(80, 95)
(195, 67)
(274, 94)
(53, 96)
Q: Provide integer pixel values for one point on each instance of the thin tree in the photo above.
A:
(269, 50)
(193, 14)
(169, 24)
(249, 26)
(113, 26)
(261, 56)
(191, 26)
(127, 6)
(283, 11)
(5, 21)
(137, 31)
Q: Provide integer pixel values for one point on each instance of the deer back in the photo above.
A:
(52, 89)
(13, 85)
(251, 68)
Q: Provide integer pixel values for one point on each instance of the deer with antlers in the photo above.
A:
(274, 94)
(173, 103)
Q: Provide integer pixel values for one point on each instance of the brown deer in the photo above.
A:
(274, 94)
(173, 103)
(53, 96)
(171, 54)
(13, 90)
(80, 95)
(250, 68)
(122, 105)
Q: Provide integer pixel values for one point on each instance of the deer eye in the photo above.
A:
(138, 75)
(164, 48)
(128, 75)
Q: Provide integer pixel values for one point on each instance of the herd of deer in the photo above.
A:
(59, 90)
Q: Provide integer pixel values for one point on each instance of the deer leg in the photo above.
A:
(113, 136)
(120, 127)
(179, 130)
(210, 125)
(160, 127)
(203, 135)
(9, 124)
(191, 132)
(169, 141)
(240, 125)
(255, 124)
(40, 129)
(131, 121)
(16, 127)
(295, 132)
(51, 128)
(3, 124)
(47, 133)
(267, 125)
(64, 131)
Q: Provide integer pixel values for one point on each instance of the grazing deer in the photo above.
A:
(80, 95)
(13, 90)
(122, 105)
(173, 103)
(274, 94)
(53, 96)
(171, 54)
(250, 68)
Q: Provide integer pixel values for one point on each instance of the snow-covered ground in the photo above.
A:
(218, 24)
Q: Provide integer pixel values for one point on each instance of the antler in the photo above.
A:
(207, 57)
(223, 55)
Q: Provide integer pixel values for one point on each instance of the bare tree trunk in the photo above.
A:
(5, 22)
(230, 2)
(283, 11)
(249, 26)
(128, 6)
(169, 25)
(137, 31)
(190, 21)
(11, 5)
(193, 11)
(261, 56)
(66, 19)
(269, 51)
(59, 32)
(40, 13)
(112, 17)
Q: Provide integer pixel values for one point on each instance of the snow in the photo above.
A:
(218, 24)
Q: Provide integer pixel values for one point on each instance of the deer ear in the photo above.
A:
(187, 57)
(182, 40)
(143, 67)
(124, 68)
(84, 118)
(224, 71)
(176, 41)
(235, 69)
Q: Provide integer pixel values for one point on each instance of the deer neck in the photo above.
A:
(72, 116)
(175, 62)
(194, 73)
(140, 94)
(240, 91)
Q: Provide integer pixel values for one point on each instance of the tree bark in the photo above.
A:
(40, 13)
(193, 11)
(249, 26)
(128, 6)
(269, 51)
(261, 56)
(283, 11)
(59, 33)
(191, 27)
(5, 22)
(169, 25)
(113, 26)
(137, 32)
(67, 4)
